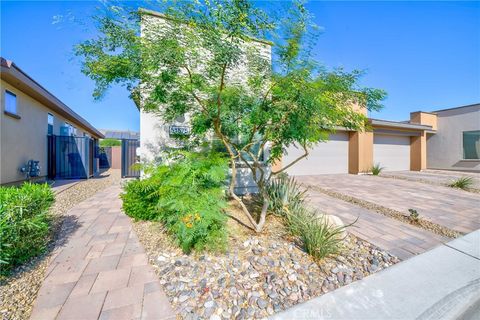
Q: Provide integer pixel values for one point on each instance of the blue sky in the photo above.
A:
(426, 55)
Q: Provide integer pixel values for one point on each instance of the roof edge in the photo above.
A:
(48, 95)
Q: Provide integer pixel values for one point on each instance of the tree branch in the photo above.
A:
(293, 162)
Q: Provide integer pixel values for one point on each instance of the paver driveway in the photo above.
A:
(438, 177)
(452, 208)
(101, 272)
(400, 239)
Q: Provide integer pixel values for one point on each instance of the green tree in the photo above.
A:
(109, 142)
(190, 63)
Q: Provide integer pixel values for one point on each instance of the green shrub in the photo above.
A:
(376, 169)
(413, 216)
(109, 142)
(24, 223)
(462, 183)
(284, 194)
(140, 200)
(187, 196)
(318, 238)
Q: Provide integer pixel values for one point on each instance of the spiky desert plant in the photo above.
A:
(285, 194)
(376, 169)
(462, 183)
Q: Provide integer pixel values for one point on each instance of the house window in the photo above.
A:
(10, 102)
(50, 123)
(74, 131)
(471, 145)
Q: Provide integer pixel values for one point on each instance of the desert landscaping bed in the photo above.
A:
(421, 222)
(259, 275)
(19, 290)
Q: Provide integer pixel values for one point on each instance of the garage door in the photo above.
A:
(392, 152)
(324, 158)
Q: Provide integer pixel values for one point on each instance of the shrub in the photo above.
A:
(376, 169)
(109, 142)
(284, 194)
(462, 183)
(187, 196)
(414, 216)
(318, 238)
(140, 199)
(24, 223)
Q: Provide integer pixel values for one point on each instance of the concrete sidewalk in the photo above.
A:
(443, 283)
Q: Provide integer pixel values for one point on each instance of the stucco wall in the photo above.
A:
(445, 148)
(25, 138)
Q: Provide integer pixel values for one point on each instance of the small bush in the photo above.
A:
(462, 183)
(109, 142)
(414, 216)
(24, 223)
(140, 199)
(318, 238)
(284, 193)
(376, 169)
(187, 196)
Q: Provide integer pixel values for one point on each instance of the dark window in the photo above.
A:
(471, 145)
(50, 123)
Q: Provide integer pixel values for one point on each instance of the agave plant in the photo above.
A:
(462, 183)
(376, 169)
(285, 195)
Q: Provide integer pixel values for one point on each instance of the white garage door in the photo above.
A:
(326, 157)
(391, 152)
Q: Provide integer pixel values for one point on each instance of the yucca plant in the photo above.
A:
(285, 195)
(319, 238)
(376, 169)
(462, 183)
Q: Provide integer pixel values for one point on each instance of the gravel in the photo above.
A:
(19, 290)
(259, 275)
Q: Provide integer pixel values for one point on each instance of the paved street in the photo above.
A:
(101, 272)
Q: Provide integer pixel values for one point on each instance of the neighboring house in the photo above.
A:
(456, 145)
(35, 125)
(394, 145)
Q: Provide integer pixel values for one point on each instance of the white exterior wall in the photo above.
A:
(445, 148)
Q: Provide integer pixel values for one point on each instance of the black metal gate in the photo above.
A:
(70, 157)
(130, 158)
(105, 157)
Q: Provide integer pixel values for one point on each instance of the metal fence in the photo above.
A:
(129, 158)
(105, 157)
(70, 157)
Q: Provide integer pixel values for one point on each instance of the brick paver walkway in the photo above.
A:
(102, 271)
(455, 209)
(401, 239)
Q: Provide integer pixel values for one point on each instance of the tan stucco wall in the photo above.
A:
(360, 152)
(418, 152)
(425, 118)
(25, 138)
(116, 157)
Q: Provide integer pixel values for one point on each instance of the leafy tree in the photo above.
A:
(109, 142)
(192, 61)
